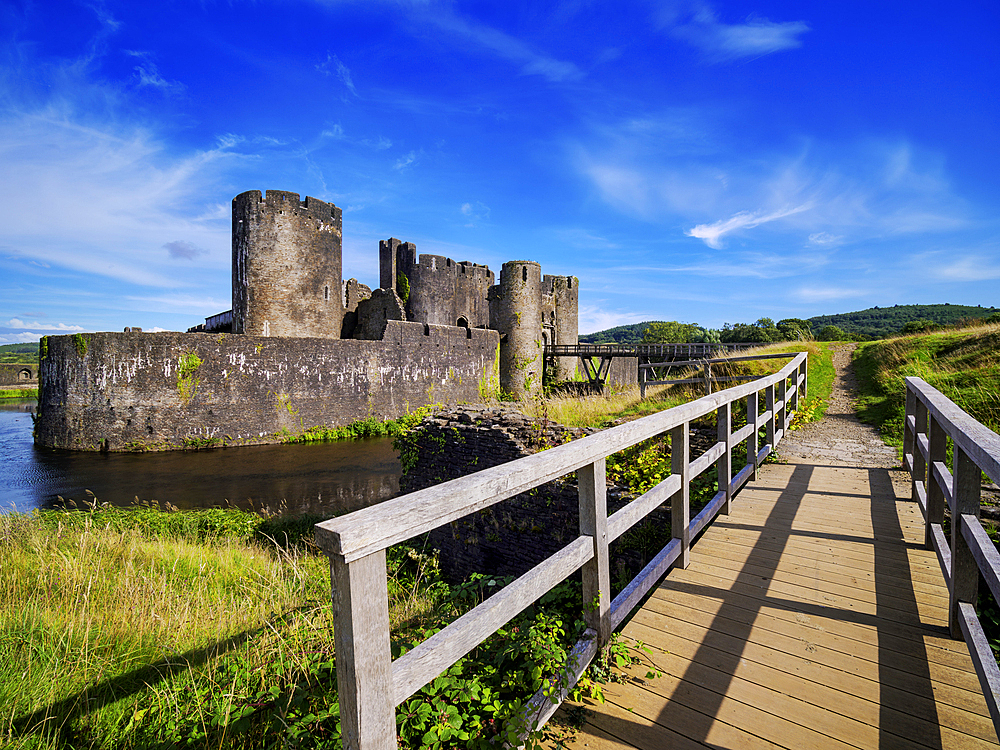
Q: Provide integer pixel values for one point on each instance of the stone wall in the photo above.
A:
(22, 375)
(514, 535)
(439, 290)
(133, 391)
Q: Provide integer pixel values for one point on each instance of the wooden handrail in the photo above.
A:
(371, 685)
(706, 364)
(931, 420)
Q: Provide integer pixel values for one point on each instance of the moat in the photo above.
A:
(314, 478)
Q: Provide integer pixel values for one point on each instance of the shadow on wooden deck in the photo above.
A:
(811, 617)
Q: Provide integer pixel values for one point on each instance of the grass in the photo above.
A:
(136, 628)
(625, 404)
(18, 393)
(963, 364)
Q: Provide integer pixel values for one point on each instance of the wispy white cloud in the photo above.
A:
(713, 233)
(599, 318)
(36, 326)
(505, 46)
(405, 161)
(148, 74)
(581, 238)
(829, 194)
(119, 192)
(333, 66)
(698, 24)
(960, 266)
(475, 212)
(811, 294)
(823, 238)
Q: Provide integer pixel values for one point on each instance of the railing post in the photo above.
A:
(708, 379)
(364, 658)
(642, 380)
(769, 408)
(795, 391)
(596, 572)
(781, 419)
(680, 503)
(805, 377)
(724, 429)
(753, 442)
(964, 568)
(935, 497)
(919, 462)
(908, 439)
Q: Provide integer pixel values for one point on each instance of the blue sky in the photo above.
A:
(694, 161)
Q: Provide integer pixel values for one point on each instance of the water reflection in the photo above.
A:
(320, 478)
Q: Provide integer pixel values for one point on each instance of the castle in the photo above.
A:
(302, 348)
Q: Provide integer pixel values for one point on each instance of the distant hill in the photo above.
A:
(17, 353)
(876, 322)
(880, 322)
(630, 334)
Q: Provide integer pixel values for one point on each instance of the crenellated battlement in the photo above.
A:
(285, 200)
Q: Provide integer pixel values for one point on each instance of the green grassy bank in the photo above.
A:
(13, 393)
(136, 628)
(963, 364)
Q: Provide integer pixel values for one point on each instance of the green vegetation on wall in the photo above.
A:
(187, 384)
(80, 341)
(403, 287)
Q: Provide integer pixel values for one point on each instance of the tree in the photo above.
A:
(762, 332)
(670, 332)
(795, 329)
(831, 333)
(919, 326)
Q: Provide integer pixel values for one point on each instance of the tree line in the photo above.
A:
(862, 325)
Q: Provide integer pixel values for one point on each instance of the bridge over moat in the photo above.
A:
(823, 607)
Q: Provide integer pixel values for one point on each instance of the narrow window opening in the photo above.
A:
(524, 273)
(326, 293)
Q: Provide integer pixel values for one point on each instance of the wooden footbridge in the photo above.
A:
(820, 609)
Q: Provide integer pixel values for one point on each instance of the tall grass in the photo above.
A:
(149, 632)
(964, 365)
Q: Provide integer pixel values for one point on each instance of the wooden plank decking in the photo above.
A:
(810, 617)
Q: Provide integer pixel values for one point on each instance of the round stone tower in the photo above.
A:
(519, 320)
(286, 266)
(566, 303)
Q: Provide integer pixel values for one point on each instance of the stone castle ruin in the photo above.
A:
(303, 348)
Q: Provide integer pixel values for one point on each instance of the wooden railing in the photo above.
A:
(932, 421)
(371, 684)
(659, 370)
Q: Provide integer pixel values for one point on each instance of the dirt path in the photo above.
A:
(840, 438)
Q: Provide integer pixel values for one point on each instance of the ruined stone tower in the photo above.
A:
(516, 312)
(286, 266)
(435, 289)
(560, 313)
